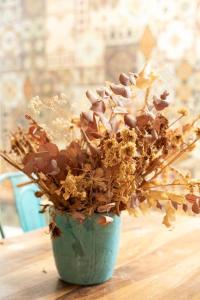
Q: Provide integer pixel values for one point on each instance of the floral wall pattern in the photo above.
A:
(49, 47)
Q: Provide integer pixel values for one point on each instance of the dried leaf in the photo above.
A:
(144, 207)
(164, 95)
(99, 107)
(89, 116)
(93, 148)
(51, 148)
(192, 198)
(185, 207)
(196, 208)
(160, 122)
(160, 104)
(103, 92)
(105, 122)
(144, 119)
(91, 96)
(115, 123)
(160, 195)
(124, 79)
(99, 197)
(134, 211)
(106, 208)
(170, 214)
(145, 78)
(121, 90)
(39, 194)
(54, 230)
(130, 121)
(105, 220)
(166, 221)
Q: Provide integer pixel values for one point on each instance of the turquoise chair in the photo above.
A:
(27, 204)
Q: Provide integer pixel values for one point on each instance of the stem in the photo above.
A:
(25, 183)
(170, 184)
(146, 99)
(173, 159)
(179, 118)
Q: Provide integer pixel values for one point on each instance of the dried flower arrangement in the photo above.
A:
(122, 159)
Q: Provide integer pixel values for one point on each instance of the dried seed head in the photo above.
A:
(183, 112)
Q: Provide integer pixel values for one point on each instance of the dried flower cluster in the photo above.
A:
(54, 116)
(123, 159)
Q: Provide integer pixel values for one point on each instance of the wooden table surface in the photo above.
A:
(154, 264)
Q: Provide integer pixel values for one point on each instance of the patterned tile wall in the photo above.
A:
(65, 46)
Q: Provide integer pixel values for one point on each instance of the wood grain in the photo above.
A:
(154, 264)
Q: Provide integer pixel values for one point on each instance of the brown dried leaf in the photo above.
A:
(51, 148)
(185, 207)
(145, 78)
(105, 220)
(166, 221)
(103, 92)
(105, 122)
(115, 123)
(144, 119)
(160, 122)
(89, 116)
(91, 96)
(93, 148)
(99, 107)
(106, 208)
(124, 79)
(54, 230)
(196, 208)
(164, 95)
(160, 104)
(121, 90)
(130, 121)
(192, 198)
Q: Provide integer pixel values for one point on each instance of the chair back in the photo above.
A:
(27, 204)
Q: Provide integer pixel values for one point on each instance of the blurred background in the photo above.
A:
(49, 47)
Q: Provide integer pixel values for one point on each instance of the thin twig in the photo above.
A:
(174, 158)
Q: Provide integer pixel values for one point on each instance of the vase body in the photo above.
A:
(86, 253)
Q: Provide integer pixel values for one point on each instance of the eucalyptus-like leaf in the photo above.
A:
(89, 116)
(130, 121)
(160, 104)
(91, 96)
(115, 123)
(105, 122)
(124, 79)
(121, 90)
(99, 107)
(144, 119)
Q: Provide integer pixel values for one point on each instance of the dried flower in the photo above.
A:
(122, 159)
(183, 112)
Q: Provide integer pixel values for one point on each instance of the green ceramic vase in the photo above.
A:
(86, 253)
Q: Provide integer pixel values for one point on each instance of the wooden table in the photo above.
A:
(154, 264)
